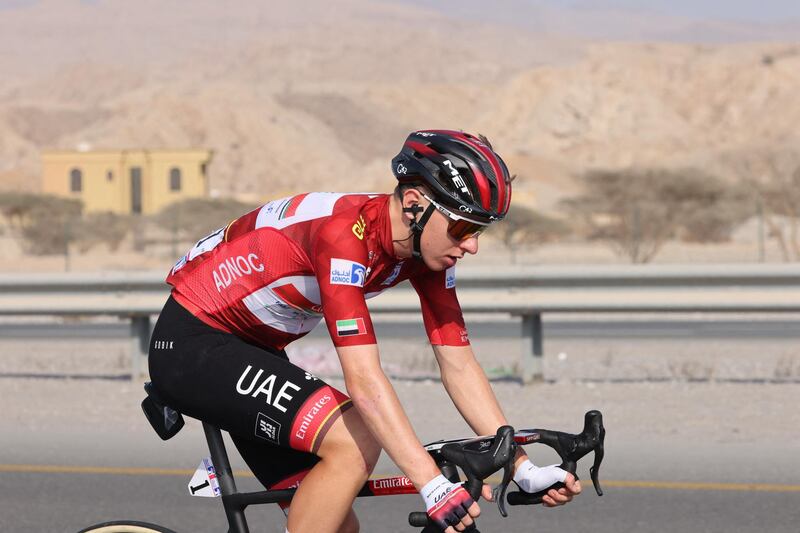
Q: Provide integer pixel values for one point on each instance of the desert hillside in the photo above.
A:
(321, 96)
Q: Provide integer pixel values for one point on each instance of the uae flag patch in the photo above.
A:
(354, 326)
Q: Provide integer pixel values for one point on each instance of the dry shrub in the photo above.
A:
(772, 176)
(44, 223)
(191, 219)
(109, 229)
(525, 227)
(637, 211)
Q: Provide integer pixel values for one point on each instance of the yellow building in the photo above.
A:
(126, 181)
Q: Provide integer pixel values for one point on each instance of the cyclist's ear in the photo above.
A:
(411, 195)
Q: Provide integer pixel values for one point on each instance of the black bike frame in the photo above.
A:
(236, 502)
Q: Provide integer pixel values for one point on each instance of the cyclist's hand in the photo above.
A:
(449, 504)
(554, 498)
(532, 478)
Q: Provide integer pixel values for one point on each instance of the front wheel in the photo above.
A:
(125, 526)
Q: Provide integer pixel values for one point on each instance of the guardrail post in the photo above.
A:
(140, 343)
(532, 352)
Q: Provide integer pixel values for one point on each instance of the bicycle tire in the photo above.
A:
(126, 526)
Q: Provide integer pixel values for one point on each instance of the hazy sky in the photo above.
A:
(765, 10)
(740, 10)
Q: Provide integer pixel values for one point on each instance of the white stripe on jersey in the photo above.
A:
(290, 317)
(314, 205)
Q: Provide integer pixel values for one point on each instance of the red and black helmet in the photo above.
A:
(462, 171)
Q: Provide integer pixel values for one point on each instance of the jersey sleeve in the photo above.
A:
(340, 261)
(441, 312)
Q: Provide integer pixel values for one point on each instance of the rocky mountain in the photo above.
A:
(320, 95)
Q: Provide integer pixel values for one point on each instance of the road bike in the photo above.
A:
(477, 457)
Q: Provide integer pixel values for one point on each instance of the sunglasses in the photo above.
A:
(458, 227)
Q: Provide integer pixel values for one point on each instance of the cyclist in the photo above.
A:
(241, 294)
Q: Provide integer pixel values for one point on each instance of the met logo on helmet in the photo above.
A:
(458, 181)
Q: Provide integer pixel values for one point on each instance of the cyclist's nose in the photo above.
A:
(469, 245)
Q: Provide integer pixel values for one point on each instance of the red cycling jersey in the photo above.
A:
(273, 274)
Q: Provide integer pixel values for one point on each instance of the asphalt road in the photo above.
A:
(67, 502)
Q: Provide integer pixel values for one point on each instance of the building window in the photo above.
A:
(109, 175)
(75, 180)
(175, 179)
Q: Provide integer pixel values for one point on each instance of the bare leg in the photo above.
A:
(350, 524)
(323, 503)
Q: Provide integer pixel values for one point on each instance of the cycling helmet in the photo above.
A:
(468, 180)
(461, 170)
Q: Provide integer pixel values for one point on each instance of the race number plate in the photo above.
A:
(204, 481)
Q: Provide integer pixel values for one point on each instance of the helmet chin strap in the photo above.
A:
(416, 226)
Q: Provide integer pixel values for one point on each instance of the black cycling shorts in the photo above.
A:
(276, 412)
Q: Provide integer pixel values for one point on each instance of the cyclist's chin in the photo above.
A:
(441, 263)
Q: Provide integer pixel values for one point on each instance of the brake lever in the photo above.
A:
(570, 449)
(499, 492)
(479, 461)
(479, 458)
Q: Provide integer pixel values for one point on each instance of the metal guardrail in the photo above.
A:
(525, 292)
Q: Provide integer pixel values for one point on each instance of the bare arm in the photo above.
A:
(377, 403)
(469, 388)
